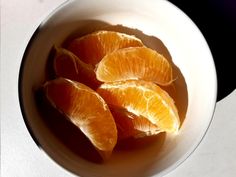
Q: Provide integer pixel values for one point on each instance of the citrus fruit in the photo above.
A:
(93, 47)
(68, 65)
(130, 125)
(144, 99)
(86, 110)
(135, 63)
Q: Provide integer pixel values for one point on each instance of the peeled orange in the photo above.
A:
(144, 99)
(135, 63)
(69, 66)
(93, 47)
(85, 109)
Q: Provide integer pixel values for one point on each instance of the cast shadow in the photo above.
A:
(217, 22)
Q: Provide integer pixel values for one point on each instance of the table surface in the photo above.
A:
(20, 157)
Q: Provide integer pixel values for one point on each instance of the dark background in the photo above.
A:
(217, 21)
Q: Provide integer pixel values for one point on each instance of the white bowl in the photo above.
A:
(162, 26)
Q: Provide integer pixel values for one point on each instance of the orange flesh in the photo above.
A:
(68, 65)
(135, 63)
(93, 47)
(95, 121)
(145, 99)
(131, 125)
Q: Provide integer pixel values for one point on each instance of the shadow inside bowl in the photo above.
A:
(71, 137)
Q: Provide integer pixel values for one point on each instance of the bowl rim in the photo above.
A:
(166, 170)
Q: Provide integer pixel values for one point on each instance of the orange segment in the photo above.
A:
(135, 63)
(85, 109)
(130, 125)
(144, 99)
(93, 47)
(68, 65)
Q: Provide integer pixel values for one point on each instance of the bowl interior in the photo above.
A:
(162, 27)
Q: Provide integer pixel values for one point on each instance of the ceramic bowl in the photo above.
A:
(161, 26)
